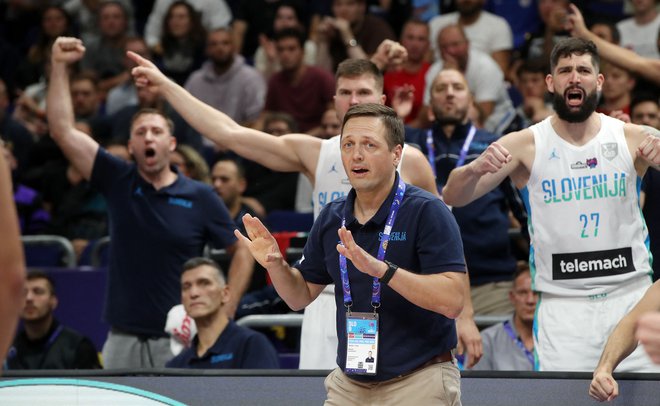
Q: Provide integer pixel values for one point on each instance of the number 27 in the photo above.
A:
(593, 218)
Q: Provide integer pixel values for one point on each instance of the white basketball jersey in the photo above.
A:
(587, 232)
(330, 179)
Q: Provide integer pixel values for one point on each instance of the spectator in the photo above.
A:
(105, 56)
(265, 58)
(226, 82)
(124, 93)
(639, 33)
(87, 15)
(411, 75)
(220, 343)
(181, 48)
(484, 77)
(330, 124)
(13, 132)
(190, 163)
(606, 31)
(409, 280)
(536, 104)
(228, 176)
(254, 18)
(55, 22)
(487, 32)
(215, 14)
(12, 261)
(645, 110)
(553, 14)
(351, 33)
(455, 141)
(159, 220)
(617, 90)
(300, 90)
(522, 16)
(32, 216)
(85, 96)
(606, 234)
(509, 346)
(45, 343)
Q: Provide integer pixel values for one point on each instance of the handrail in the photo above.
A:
(95, 255)
(69, 255)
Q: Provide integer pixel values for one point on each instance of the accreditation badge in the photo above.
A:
(361, 343)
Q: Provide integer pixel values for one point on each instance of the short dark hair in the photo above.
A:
(240, 168)
(149, 110)
(574, 46)
(521, 268)
(394, 132)
(616, 35)
(291, 32)
(32, 275)
(353, 68)
(643, 97)
(281, 116)
(534, 65)
(196, 262)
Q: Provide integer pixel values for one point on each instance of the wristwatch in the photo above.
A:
(352, 43)
(391, 268)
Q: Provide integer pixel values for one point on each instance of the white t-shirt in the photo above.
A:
(640, 38)
(490, 33)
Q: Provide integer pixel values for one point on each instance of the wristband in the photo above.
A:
(391, 268)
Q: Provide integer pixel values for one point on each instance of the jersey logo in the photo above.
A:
(609, 150)
(333, 168)
(592, 264)
(222, 357)
(553, 155)
(590, 163)
(138, 191)
(177, 201)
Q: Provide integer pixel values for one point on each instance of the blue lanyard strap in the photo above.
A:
(382, 248)
(518, 341)
(430, 147)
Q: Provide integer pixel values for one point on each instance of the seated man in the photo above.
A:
(44, 343)
(509, 346)
(219, 343)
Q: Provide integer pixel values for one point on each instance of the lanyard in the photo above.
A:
(382, 247)
(518, 341)
(464, 149)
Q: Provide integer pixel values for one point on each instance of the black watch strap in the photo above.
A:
(391, 268)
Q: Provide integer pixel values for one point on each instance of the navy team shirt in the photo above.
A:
(424, 239)
(236, 348)
(153, 233)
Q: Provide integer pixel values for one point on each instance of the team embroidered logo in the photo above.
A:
(138, 191)
(609, 150)
(553, 155)
(345, 181)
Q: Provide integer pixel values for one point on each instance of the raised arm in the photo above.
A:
(12, 262)
(644, 146)
(79, 148)
(625, 58)
(288, 153)
(502, 158)
(619, 345)
(288, 281)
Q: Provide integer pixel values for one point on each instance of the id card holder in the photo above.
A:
(361, 343)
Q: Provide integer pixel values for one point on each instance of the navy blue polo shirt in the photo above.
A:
(237, 347)
(424, 239)
(153, 233)
(484, 223)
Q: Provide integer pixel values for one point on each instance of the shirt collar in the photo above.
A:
(460, 131)
(381, 215)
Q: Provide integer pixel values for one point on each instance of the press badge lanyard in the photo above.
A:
(518, 341)
(464, 149)
(382, 247)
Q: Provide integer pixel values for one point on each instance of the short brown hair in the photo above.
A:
(353, 68)
(149, 110)
(394, 132)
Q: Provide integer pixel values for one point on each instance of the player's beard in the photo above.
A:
(565, 113)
